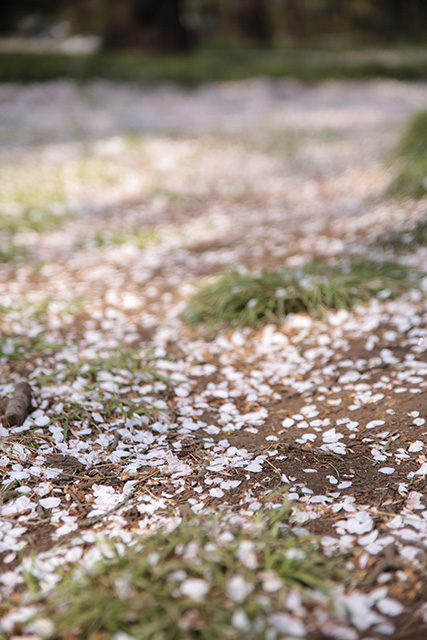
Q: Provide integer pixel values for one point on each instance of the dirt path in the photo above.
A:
(128, 201)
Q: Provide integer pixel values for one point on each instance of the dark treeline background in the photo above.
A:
(178, 25)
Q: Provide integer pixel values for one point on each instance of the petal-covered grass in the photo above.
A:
(140, 239)
(411, 152)
(408, 238)
(13, 254)
(38, 220)
(15, 348)
(244, 299)
(189, 582)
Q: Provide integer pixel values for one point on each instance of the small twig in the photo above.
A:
(405, 634)
(115, 442)
(88, 483)
(383, 497)
(75, 497)
(389, 514)
(334, 468)
(38, 521)
(117, 506)
(272, 465)
(74, 433)
(412, 543)
(330, 464)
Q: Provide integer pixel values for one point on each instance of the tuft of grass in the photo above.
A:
(241, 299)
(126, 362)
(37, 220)
(32, 188)
(407, 238)
(128, 367)
(114, 406)
(16, 348)
(140, 239)
(39, 191)
(140, 591)
(14, 254)
(71, 413)
(411, 152)
(288, 142)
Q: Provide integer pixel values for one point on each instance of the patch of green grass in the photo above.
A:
(411, 152)
(287, 142)
(27, 308)
(13, 253)
(208, 66)
(140, 239)
(120, 405)
(15, 348)
(72, 412)
(241, 299)
(38, 220)
(142, 592)
(127, 366)
(114, 406)
(408, 238)
(128, 362)
(32, 187)
(39, 190)
(284, 143)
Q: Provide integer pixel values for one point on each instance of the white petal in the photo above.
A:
(374, 423)
(216, 493)
(390, 607)
(285, 623)
(194, 588)
(254, 466)
(238, 589)
(49, 503)
(288, 422)
(270, 581)
(240, 620)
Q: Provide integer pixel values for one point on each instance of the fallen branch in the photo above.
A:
(16, 408)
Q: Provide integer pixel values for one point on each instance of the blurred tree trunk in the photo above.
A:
(409, 16)
(119, 27)
(7, 18)
(251, 21)
(401, 18)
(295, 18)
(145, 24)
(397, 16)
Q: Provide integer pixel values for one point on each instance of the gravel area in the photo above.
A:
(134, 199)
